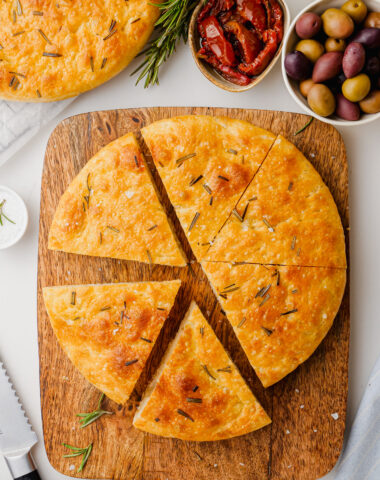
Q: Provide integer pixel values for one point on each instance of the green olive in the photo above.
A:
(321, 100)
(356, 9)
(305, 86)
(356, 88)
(371, 103)
(335, 45)
(311, 49)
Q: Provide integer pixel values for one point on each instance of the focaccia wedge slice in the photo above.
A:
(279, 314)
(205, 164)
(286, 216)
(109, 330)
(198, 393)
(111, 209)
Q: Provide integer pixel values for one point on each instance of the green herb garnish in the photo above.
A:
(172, 25)
(86, 452)
(2, 214)
(88, 418)
(304, 127)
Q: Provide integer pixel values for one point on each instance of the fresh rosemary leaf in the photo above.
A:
(304, 127)
(88, 418)
(172, 25)
(2, 214)
(86, 452)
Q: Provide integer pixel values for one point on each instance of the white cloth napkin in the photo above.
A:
(20, 121)
(361, 457)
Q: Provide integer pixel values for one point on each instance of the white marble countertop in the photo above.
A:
(182, 84)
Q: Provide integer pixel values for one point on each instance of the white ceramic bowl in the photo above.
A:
(19, 214)
(290, 41)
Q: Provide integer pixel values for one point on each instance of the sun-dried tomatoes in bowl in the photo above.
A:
(236, 42)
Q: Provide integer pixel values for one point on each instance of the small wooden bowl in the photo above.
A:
(213, 75)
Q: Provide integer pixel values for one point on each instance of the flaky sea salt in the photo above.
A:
(335, 416)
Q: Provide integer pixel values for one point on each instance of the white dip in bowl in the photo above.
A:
(13, 217)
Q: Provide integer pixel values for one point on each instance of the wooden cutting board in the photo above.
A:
(304, 440)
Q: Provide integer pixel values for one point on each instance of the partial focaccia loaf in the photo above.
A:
(51, 50)
(108, 331)
(205, 164)
(286, 216)
(197, 393)
(279, 314)
(111, 209)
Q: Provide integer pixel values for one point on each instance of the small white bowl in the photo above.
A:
(290, 41)
(17, 212)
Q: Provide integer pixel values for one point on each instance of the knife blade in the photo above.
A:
(16, 434)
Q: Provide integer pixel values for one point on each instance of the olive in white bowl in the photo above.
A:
(319, 83)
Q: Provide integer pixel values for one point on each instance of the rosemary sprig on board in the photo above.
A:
(304, 127)
(77, 451)
(88, 418)
(172, 25)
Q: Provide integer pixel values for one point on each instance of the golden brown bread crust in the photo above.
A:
(257, 300)
(95, 41)
(192, 151)
(193, 369)
(290, 217)
(99, 339)
(111, 210)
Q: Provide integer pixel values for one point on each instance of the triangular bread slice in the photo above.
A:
(205, 164)
(286, 216)
(108, 331)
(279, 314)
(111, 209)
(198, 393)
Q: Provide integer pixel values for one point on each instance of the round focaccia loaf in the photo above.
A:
(51, 50)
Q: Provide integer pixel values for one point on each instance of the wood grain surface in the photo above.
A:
(304, 440)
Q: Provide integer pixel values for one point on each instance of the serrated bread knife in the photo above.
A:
(16, 434)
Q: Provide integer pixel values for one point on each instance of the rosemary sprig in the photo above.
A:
(86, 452)
(304, 127)
(88, 418)
(2, 214)
(172, 25)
